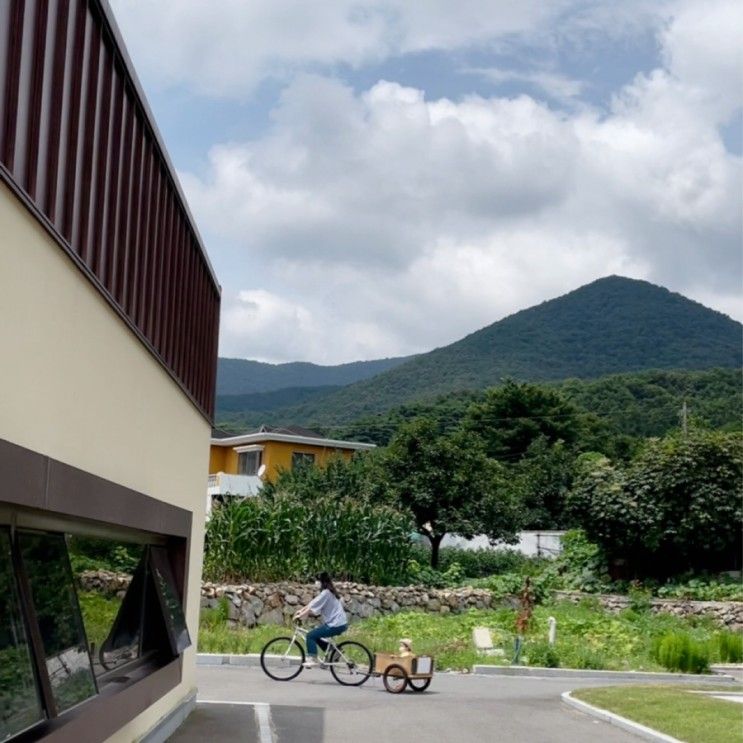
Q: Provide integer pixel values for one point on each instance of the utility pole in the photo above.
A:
(684, 419)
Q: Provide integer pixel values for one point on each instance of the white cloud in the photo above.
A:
(229, 48)
(376, 223)
(560, 87)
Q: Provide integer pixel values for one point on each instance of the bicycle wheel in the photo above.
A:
(351, 663)
(395, 679)
(282, 658)
(419, 684)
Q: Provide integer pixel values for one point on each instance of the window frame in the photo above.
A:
(303, 459)
(251, 449)
(43, 494)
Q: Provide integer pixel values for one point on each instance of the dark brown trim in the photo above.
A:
(117, 704)
(36, 481)
(79, 140)
(34, 635)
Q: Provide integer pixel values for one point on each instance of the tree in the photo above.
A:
(449, 485)
(675, 507)
(541, 481)
(512, 417)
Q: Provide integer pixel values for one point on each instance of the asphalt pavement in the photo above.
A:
(242, 704)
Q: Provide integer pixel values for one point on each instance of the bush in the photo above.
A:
(542, 654)
(730, 647)
(704, 589)
(423, 575)
(679, 652)
(581, 565)
(481, 563)
(511, 584)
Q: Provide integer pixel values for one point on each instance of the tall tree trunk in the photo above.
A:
(435, 544)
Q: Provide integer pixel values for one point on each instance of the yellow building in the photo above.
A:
(110, 313)
(239, 464)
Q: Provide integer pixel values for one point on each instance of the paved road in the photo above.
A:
(241, 704)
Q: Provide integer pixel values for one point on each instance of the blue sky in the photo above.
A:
(376, 178)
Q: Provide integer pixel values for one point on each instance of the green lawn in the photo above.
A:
(675, 711)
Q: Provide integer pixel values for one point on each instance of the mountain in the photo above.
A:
(610, 326)
(243, 377)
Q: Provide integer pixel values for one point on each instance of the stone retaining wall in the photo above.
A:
(274, 603)
(727, 613)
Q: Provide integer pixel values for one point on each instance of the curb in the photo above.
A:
(636, 728)
(535, 671)
(218, 659)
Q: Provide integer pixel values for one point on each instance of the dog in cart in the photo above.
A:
(404, 669)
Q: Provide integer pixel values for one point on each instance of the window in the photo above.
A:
(20, 705)
(47, 569)
(64, 638)
(302, 459)
(248, 462)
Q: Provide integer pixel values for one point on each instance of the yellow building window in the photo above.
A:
(302, 459)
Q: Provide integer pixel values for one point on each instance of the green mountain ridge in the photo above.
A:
(610, 326)
(246, 377)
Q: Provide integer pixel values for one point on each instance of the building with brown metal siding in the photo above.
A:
(108, 332)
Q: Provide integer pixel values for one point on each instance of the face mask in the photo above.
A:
(318, 584)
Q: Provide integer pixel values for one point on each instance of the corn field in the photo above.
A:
(285, 538)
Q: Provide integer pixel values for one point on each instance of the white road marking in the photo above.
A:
(262, 716)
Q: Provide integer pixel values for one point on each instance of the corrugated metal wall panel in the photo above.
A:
(77, 144)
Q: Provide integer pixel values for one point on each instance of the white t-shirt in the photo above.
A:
(329, 608)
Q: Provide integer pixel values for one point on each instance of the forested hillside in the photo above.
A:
(635, 405)
(613, 325)
(244, 377)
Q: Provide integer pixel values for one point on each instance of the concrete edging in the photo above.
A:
(167, 725)
(621, 722)
(220, 659)
(487, 670)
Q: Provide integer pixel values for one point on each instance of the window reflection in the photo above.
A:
(110, 577)
(169, 599)
(20, 706)
(53, 594)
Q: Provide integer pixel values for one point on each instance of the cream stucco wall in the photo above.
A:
(78, 386)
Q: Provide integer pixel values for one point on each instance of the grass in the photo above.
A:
(587, 636)
(695, 718)
(98, 612)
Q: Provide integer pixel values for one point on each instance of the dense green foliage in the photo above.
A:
(513, 417)
(449, 485)
(284, 538)
(674, 507)
(721, 588)
(649, 403)
(612, 412)
(93, 553)
(614, 325)
(677, 651)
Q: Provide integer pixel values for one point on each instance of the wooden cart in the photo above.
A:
(399, 671)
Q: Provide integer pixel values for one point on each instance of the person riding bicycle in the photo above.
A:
(327, 605)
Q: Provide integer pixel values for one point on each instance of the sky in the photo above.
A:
(377, 178)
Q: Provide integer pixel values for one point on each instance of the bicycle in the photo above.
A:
(349, 661)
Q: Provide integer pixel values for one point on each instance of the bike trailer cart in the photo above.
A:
(399, 671)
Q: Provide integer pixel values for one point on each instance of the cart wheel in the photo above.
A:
(419, 684)
(395, 679)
